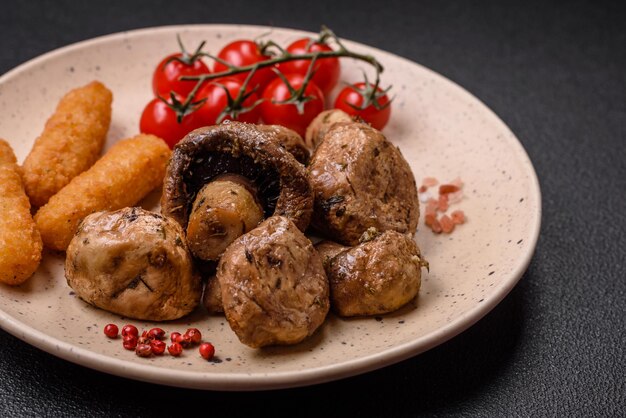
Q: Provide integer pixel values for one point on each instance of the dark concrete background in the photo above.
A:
(555, 72)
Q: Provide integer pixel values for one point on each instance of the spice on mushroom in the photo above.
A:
(360, 180)
(273, 285)
(322, 124)
(380, 275)
(134, 263)
(289, 140)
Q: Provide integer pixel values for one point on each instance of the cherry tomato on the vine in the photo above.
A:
(159, 119)
(217, 102)
(326, 70)
(352, 98)
(287, 114)
(166, 77)
(241, 53)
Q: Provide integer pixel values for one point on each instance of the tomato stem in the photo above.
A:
(182, 109)
(285, 56)
(289, 57)
(265, 46)
(297, 97)
(186, 58)
(370, 94)
(234, 107)
(326, 33)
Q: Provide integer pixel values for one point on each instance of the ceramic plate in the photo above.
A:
(442, 130)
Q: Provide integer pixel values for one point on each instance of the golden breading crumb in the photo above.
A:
(122, 177)
(20, 242)
(70, 143)
(6, 153)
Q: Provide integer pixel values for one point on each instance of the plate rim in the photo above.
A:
(209, 380)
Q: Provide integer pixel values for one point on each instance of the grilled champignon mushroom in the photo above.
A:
(134, 263)
(361, 180)
(212, 296)
(273, 176)
(329, 250)
(274, 288)
(375, 277)
(289, 140)
(321, 124)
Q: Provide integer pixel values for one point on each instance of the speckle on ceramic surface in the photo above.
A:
(442, 131)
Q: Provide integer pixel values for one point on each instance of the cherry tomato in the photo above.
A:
(351, 99)
(166, 75)
(287, 114)
(326, 70)
(161, 120)
(217, 102)
(241, 53)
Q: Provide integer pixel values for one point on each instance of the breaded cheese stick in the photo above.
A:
(20, 242)
(70, 143)
(122, 177)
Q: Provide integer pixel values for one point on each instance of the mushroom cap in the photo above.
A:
(134, 263)
(321, 124)
(212, 296)
(240, 148)
(274, 288)
(375, 277)
(328, 250)
(361, 180)
(290, 140)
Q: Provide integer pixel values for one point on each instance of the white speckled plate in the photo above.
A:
(442, 130)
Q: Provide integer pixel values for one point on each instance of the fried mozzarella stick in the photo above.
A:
(122, 177)
(70, 143)
(20, 242)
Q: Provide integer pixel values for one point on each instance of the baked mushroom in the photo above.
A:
(321, 124)
(134, 263)
(212, 296)
(361, 180)
(289, 140)
(274, 289)
(267, 174)
(329, 250)
(376, 276)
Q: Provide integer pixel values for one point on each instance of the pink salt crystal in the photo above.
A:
(457, 182)
(446, 224)
(436, 227)
(443, 203)
(430, 182)
(458, 217)
(455, 197)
